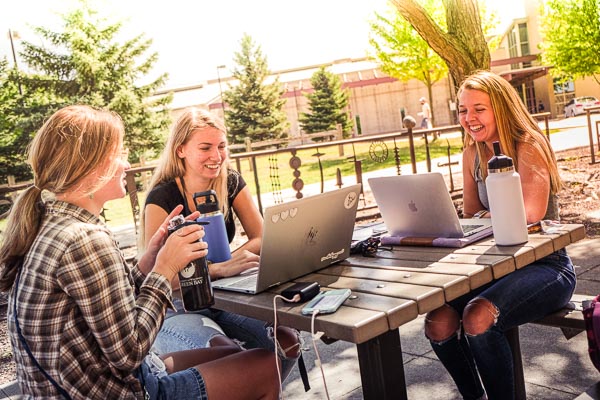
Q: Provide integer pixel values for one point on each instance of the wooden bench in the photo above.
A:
(570, 318)
(570, 321)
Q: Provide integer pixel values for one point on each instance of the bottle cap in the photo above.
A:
(210, 205)
(176, 221)
(499, 162)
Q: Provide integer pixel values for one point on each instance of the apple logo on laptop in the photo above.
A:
(412, 206)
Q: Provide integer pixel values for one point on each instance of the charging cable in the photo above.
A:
(294, 299)
(315, 336)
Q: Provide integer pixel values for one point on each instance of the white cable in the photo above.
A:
(276, 344)
(313, 336)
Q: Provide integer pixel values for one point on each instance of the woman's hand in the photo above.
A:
(181, 248)
(240, 261)
(148, 259)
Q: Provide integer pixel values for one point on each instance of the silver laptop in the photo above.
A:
(300, 237)
(420, 205)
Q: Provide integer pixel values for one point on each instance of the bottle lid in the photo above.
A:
(499, 162)
(210, 204)
(176, 221)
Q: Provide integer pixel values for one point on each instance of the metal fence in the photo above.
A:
(385, 149)
(267, 175)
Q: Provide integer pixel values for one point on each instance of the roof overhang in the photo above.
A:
(520, 76)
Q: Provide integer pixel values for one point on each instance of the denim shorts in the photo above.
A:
(186, 384)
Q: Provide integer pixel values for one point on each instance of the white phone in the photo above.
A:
(326, 302)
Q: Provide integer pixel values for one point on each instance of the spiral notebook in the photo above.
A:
(300, 237)
(418, 210)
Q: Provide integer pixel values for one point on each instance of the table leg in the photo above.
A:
(382, 368)
(513, 339)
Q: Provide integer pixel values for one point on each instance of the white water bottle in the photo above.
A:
(503, 184)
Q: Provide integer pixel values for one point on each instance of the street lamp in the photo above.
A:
(221, 93)
(14, 35)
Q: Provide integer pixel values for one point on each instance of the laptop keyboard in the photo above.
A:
(468, 229)
(247, 282)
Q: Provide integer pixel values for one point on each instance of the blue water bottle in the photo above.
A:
(215, 231)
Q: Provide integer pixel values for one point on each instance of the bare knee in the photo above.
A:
(289, 341)
(222, 340)
(254, 374)
(441, 323)
(479, 316)
(265, 373)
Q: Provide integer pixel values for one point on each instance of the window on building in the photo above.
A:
(524, 40)
(512, 47)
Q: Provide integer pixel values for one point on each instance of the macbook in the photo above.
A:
(300, 237)
(420, 205)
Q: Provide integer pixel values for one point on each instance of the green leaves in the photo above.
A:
(82, 63)
(571, 30)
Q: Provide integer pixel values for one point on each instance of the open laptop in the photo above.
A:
(420, 205)
(300, 237)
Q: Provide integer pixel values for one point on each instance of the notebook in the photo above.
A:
(418, 210)
(300, 237)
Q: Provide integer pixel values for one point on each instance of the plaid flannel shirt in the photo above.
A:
(88, 318)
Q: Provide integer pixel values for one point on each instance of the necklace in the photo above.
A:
(186, 208)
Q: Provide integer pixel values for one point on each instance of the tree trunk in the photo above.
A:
(463, 47)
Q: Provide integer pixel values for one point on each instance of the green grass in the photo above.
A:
(118, 212)
(331, 160)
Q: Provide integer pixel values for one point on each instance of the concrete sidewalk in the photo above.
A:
(555, 368)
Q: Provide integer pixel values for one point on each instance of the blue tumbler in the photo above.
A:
(215, 231)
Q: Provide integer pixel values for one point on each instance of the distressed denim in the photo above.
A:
(523, 296)
(184, 331)
(186, 384)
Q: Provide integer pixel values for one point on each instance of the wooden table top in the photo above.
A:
(399, 283)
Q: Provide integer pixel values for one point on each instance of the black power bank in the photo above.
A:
(306, 290)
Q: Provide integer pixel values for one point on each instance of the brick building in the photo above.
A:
(378, 101)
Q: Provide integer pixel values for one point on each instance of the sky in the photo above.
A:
(193, 37)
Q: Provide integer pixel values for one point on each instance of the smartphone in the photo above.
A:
(326, 302)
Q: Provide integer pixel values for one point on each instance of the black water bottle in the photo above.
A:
(194, 279)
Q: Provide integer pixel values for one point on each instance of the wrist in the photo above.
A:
(213, 270)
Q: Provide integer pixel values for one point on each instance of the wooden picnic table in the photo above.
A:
(395, 287)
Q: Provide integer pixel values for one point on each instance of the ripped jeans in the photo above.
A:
(523, 296)
(184, 331)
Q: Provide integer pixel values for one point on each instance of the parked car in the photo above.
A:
(575, 106)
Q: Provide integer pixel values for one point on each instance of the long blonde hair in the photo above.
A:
(171, 166)
(72, 144)
(513, 122)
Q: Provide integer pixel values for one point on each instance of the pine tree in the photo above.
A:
(20, 116)
(9, 135)
(254, 109)
(85, 64)
(328, 105)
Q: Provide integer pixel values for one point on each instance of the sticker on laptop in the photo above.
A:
(291, 213)
(350, 200)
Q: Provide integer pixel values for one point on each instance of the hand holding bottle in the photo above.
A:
(148, 259)
(179, 250)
